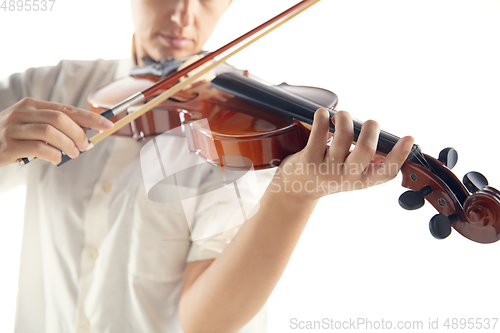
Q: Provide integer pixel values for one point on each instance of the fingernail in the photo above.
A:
(76, 152)
(106, 123)
(321, 115)
(85, 145)
(408, 145)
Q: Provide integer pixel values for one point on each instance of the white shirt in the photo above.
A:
(98, 255)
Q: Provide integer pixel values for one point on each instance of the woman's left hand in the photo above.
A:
(319, 170)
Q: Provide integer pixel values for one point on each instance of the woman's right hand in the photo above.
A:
(34, 128)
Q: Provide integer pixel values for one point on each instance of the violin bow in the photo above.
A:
(190, 74)
(196, 70)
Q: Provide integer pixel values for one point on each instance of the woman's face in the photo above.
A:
(174, 28)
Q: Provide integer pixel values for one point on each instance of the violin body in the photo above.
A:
(236, 127)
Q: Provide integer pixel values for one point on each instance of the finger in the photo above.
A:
(377, 159)
(316, 145)
(82, 117)
(366, 146)
(390, 166)
(342, 138)
(37, 149)
(46, 133)
(60, 121)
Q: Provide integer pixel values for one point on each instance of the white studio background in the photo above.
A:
(426, 68)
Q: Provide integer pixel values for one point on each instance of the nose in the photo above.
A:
(183, 13)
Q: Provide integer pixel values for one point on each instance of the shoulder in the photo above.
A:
(69, 68)
(44, 82)
(70, 81)
(82, 70)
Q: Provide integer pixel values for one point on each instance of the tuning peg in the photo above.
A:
(474, 181)
(448, 157)
(440, 225)
(411, 200)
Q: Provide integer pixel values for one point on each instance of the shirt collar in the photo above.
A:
(124, 68)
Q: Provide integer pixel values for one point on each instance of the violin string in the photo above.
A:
(331, 109)
(420, 157)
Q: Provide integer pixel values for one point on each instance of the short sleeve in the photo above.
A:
(219, 214)
(69, 82)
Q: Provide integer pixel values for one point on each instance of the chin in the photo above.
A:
(160, 50)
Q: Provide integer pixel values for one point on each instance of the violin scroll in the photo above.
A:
(472, 208)
(482, 210)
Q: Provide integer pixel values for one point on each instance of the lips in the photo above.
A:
(176, 42)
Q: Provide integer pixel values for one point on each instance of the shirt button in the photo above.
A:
(106, 187)
(85, 324)
(93, 254)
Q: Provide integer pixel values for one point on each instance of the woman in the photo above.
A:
(102, 262)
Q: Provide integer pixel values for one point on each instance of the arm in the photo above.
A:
(223, 294)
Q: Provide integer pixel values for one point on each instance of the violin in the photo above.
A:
(264, 124)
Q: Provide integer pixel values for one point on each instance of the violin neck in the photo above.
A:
(288, 104)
